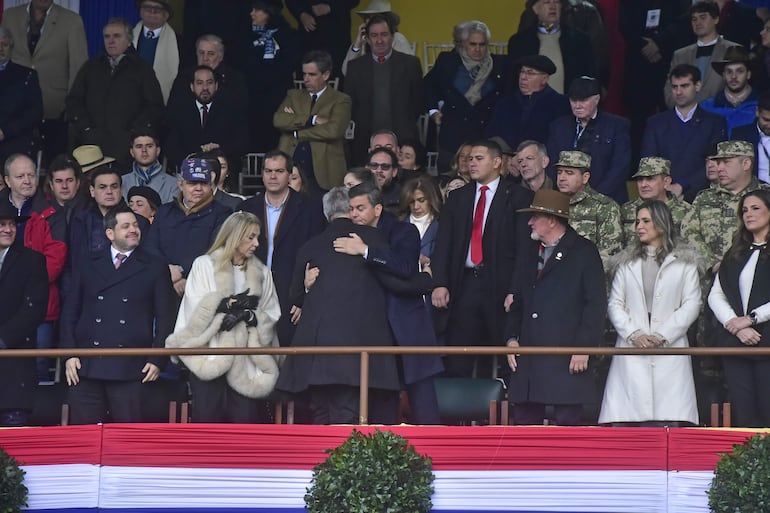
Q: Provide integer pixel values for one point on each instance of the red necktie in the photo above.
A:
(380, 59)
(477, 254)
(204, 115)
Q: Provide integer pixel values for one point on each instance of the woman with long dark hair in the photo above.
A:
(740, 300)
(654, 299)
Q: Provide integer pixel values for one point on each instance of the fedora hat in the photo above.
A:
(375, 7)
(734, 54)
(90, 156)
(548, 201)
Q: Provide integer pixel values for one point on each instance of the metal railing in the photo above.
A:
(366, 351)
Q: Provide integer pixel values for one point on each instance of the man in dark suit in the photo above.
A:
(386, 88)
(685, 135)
(23, 303)
(758, 134)
(125, 299)
(21, 110)
(344, 306)
(604, 136)
(397, 270)
(560, 299)
(478, 237)
(206, 122)
(313, 122)
(289, 219)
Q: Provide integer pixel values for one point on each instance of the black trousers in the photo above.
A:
(98, 400)
(216, 402)
(339, 404)
(748, 384)
(534, 414)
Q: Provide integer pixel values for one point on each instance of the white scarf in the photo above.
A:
(421, 223)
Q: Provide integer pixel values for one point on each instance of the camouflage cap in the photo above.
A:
(574, 159)
(730, 149)
(653, 166)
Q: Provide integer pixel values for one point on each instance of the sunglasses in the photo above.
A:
(376, 165)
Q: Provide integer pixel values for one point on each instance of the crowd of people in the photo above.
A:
(550, 221)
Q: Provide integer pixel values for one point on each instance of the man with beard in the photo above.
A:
(737, 102)
(206, 121)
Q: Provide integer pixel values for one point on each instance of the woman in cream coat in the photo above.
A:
(229, 301)
(654, 299)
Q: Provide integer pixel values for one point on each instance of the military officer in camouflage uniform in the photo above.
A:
(652, 181)
(591, 214)
(710, 225)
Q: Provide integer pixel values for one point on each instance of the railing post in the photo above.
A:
(363, 406)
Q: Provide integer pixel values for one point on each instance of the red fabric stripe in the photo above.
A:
(699, 449)
(53, 445)
(451, 448)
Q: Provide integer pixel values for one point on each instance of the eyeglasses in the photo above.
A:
(376, 165)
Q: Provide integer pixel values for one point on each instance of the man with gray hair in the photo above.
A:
(21, 110)
(114, 94)
(343, 304)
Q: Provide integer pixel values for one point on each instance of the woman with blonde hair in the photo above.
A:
(229, 301)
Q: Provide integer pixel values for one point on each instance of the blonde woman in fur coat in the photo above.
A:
(654, 299)
(229, 301)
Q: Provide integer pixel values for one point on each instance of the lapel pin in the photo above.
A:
(558, 255)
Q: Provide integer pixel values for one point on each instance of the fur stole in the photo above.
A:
(250, 375)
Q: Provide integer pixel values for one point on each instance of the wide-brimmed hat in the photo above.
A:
(90, 156)
(539, 62)
(653, 166)
(504, 147)
(733, 55)
(574, 158)
(730, 149)
(166, 5)
(380, 7)
(549, 201)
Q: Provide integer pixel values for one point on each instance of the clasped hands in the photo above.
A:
(741, 327)
(237, 308)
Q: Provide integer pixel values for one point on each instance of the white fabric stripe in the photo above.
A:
(125, 487)
(687, 491)
(595, 491)
(62, 486)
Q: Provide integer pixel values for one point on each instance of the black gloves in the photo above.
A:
(233, 318)
(240, 301)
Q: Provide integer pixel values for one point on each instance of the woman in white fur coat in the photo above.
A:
(654, 299)
(229, 301)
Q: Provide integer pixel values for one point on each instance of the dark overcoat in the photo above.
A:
(23, 304)
(130, 307)
(345, 307)
(565, 306)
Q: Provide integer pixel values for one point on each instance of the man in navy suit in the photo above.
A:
(24, 282)
(475, 256)
(758, 134)
(289, 219)
(684, 135)
(21, 110)
(125, 299)
(408, 316)
(603, 136)
(206, 122)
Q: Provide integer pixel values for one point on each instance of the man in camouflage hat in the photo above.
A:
(592, 214)
(652, 181)
(710, 225)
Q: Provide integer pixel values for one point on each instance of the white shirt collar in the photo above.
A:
(114, 252)
(156, 32)
(686, 117)
(708, 43)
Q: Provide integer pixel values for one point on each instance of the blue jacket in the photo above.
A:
(180, 238)
(735, 116)
(686, 145)
(607, 139)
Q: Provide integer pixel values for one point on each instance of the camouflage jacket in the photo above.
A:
(710, 224)
(679, 210)
(597, 218)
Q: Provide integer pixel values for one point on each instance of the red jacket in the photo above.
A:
(37, 236)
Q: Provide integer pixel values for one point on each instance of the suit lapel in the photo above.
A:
(561, 253)
(51, 19)
(288, 216)
(8, 263)
(104, 265)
